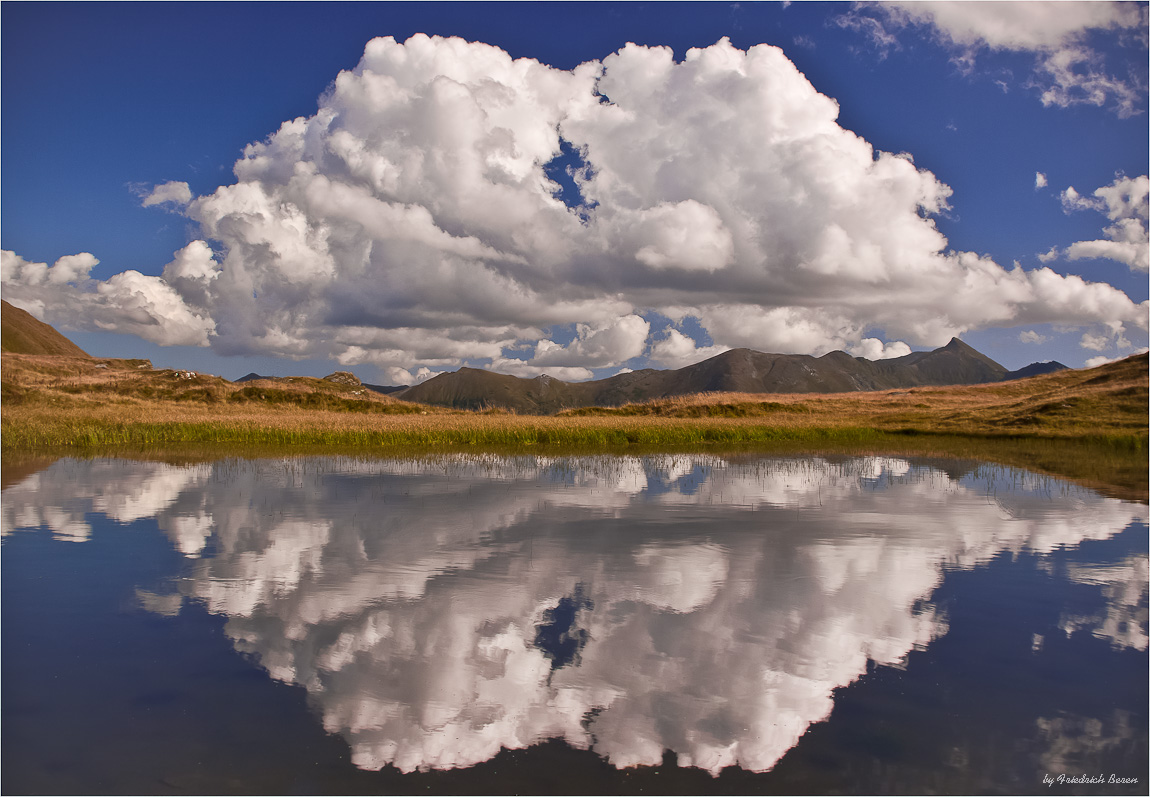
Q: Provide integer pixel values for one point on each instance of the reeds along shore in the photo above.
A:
(55, 401)
(1087, 425)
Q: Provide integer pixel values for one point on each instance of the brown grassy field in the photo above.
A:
(1106, 401)
(67, 401)
(1088, 425)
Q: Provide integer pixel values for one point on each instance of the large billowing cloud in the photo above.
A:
(410, 223)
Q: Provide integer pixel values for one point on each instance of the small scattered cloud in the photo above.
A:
(1126, 202)
(1110, 335)
(1067, 70)
(1075, 76)
(1072, 200)
(1030, 336)
(526, 370)
(174, 192)
(873, 29)
(401, 376)
(875, 349)
(1039, 180)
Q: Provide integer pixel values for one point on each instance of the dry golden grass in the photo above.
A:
(60, 401)
(1109, 401)
(1089, 426)
(59, 382)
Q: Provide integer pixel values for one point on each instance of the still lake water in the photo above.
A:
(575, 625)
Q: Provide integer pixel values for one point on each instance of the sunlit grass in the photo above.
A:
(1095, 420)
(33, 427)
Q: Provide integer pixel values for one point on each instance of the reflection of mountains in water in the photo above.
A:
(440, 610)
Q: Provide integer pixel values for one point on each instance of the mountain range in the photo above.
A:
(734, 371)
(737, 370)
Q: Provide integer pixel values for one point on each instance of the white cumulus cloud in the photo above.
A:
(401, 376)
(595, 346)
(676, 350)
(875, 349)
(410, 224)
(149, 307)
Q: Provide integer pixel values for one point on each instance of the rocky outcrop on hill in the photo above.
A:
(343, 378)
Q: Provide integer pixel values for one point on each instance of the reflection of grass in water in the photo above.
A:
(1090, 425)
(1113, 469)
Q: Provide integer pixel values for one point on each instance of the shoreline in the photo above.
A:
(1087, 425)
(1116, 470)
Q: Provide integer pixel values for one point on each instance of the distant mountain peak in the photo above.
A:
(1036, 369)
(735, 370)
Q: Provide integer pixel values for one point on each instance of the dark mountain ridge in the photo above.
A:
(734, 371)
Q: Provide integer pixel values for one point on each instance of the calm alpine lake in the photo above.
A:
(481, 624)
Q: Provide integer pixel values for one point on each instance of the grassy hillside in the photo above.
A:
(1090, 425)
(78, 401)
(1110, 400)
(35, 383)
(21, 333)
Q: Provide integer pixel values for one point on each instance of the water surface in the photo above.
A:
(672, 623)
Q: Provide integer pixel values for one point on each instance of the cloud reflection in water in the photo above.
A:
(439, 610)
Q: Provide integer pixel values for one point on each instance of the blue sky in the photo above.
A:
(728, 201)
